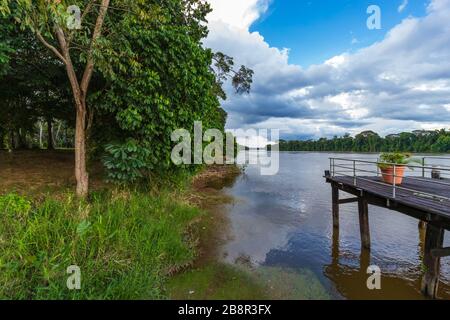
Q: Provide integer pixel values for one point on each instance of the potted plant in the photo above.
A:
(387, 163)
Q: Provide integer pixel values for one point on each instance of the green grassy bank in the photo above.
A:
(125, 243)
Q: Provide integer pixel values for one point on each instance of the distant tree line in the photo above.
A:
(368, 141)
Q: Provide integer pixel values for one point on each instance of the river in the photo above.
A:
(283, 223)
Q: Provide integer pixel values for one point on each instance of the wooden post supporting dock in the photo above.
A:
(335, 201)
(434, 239)
(363, 208)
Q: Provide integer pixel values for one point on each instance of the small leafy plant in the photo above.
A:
(127, 162)
(397, 158)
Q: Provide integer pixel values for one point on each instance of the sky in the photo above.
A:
(320, 71)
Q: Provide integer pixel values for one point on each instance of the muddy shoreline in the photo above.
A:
(208, 277)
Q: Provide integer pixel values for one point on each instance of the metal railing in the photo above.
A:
(433, 169)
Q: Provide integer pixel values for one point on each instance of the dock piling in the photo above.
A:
(335, 201)
(434, 239)
(363, 208)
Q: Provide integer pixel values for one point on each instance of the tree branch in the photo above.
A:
(90, 60)
(52, 48)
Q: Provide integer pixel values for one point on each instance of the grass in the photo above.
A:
(126, 244)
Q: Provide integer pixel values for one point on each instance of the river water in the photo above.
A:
(281, 227)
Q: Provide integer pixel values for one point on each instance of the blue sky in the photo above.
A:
(319, 71)
(316, 30)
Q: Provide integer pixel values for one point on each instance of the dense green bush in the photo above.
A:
(124, 243)
(127, 162)
(158, 80)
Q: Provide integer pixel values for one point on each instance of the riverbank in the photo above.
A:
(127, 244)
(208, 278)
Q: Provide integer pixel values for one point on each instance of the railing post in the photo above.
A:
(394, 191)
(354, 172)
(423, 167)
(333, 172)
(378, 168)
(331, 167)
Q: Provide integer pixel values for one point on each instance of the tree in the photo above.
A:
(223, 69)
(48, 21)
(442, 144)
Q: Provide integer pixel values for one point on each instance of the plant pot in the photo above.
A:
(388, 174)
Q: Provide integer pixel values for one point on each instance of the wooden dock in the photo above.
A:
(425, 199)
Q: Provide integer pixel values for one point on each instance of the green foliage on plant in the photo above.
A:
(125, 244)
(127, 162)
(159, 79)
(397, 158)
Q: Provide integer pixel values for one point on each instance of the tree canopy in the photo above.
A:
(123, 75)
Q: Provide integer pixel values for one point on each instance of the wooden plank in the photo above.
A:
(363, 208)
(441, 252)
(434, 239)
(335, 203)
(350, 200)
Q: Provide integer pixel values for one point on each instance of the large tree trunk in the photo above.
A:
(81, 174)
(50, 145)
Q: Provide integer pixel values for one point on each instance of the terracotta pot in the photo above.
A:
(388, 174)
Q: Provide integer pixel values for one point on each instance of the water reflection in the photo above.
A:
(351, 281)
(283, 222)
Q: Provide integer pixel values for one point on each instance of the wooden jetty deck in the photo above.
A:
(423, 198)
(417, 203)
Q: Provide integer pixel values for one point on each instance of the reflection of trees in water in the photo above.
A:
(351, 281)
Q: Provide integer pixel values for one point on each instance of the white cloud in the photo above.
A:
(383, 86)
(403, 6)
(237, 13)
